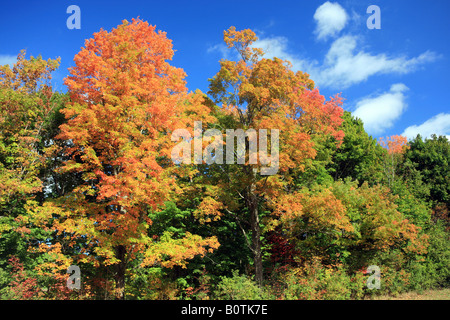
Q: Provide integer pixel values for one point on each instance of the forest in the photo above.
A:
(93, 207)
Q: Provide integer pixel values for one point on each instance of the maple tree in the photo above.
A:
(349, 226)
(259, 93)
(125, 100)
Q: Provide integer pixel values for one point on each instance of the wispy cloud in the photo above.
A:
(380, 112)
(278, 47)
(439, 125)
(345, 66)
(330, 19)
(7, 59)
(223, 51)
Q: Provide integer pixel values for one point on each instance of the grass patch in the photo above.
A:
(440, 294)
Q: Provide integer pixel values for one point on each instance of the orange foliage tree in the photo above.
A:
(259, 93)
(125, 100)
(349, 224)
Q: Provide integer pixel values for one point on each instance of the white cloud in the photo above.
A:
(331, 18)
(439, 125)
(278, 47)
(223, 50)
(342, 67)
(7, 59)
(379, 113)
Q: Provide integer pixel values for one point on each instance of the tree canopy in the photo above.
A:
(299, 206)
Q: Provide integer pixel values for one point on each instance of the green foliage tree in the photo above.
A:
(431, 157)
(359, 156)
(28, 122)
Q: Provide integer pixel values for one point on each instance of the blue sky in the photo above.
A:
(395, 78)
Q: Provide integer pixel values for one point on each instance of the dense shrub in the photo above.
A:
(433, 271)
(313, 281)
(239, 287)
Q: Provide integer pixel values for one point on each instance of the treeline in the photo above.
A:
(87, 179)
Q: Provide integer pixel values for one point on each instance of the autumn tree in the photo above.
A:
(27, 106)
(396, 147)
(350, 224)
(125, 100)
(259, 93)
(22, 287)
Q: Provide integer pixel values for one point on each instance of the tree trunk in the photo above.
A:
(120, 272)
(256, 237)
